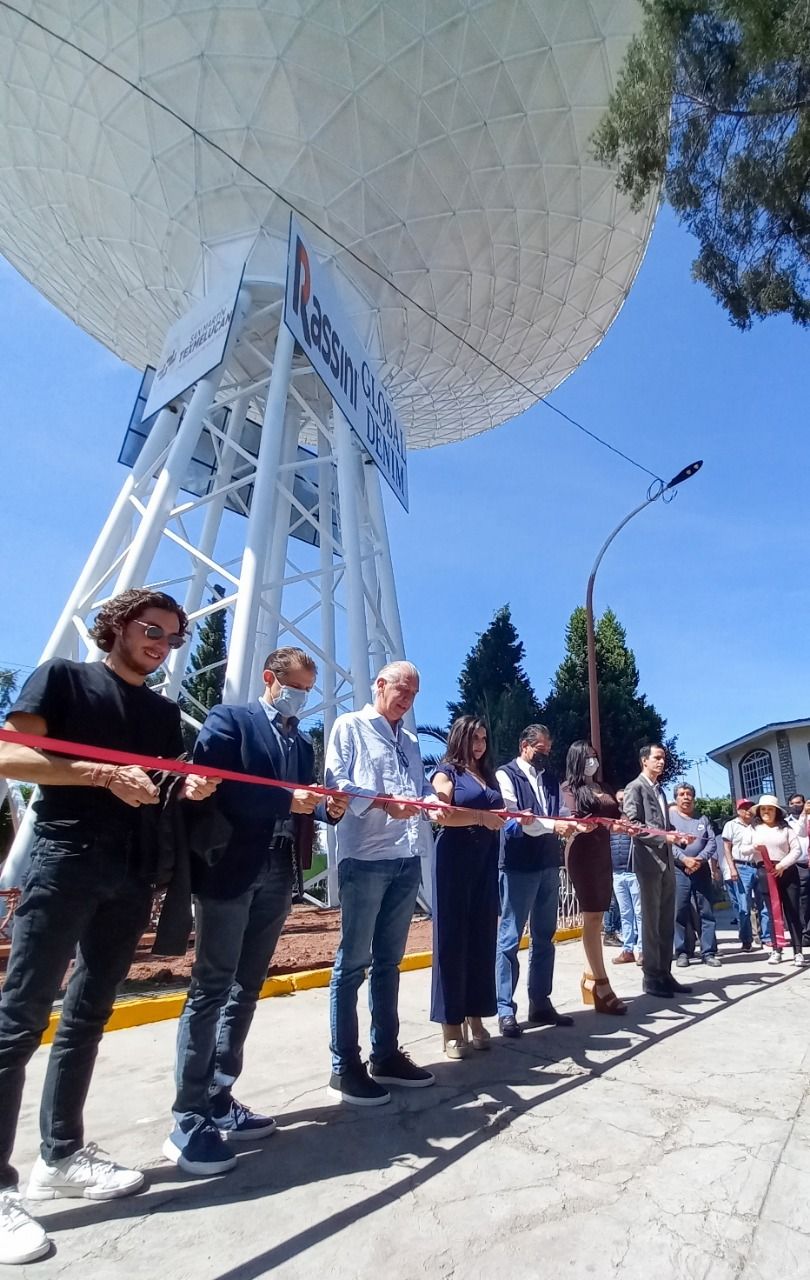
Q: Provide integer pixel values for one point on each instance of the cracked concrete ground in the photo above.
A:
(672, 1143)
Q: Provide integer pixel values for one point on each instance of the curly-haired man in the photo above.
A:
(87, 892)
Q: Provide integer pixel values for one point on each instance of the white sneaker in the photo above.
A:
(22, 1239)
(775, 957)
(89, 1174)
(799, 960)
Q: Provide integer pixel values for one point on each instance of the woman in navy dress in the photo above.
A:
(465, 892)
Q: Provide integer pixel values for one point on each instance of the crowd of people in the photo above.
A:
(757, 862)
(107, 836)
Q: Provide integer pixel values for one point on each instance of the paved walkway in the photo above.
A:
(671, 1144)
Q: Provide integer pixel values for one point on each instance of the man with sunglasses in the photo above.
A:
(87, 894)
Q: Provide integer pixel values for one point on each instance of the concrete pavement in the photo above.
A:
(673, 1143)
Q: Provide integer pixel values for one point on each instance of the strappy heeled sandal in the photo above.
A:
(478, 1039)
(455, 1048)
(603, 1002)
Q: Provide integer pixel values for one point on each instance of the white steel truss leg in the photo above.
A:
(207, 541)
(348, 497)
(273, 570)
(242, 645)
(63, 639)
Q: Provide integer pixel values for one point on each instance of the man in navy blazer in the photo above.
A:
(242, 902)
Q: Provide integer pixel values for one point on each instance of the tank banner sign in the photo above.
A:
(314, 315)
(194, 346)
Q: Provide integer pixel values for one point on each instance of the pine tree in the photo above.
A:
(203, 686)
(494, 686)
(8, 687)
(627, 719)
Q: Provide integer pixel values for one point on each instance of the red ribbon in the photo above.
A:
(107, 755)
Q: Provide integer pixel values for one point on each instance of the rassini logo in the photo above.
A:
(320, 333)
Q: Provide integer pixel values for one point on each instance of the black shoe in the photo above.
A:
(712, 960)
(682, 962)
(510, 1027)
(611, 940)
(354, 1085)
(673, 985)
(399, 1069)
(546, 1015)
(746, 946)
(661, 990)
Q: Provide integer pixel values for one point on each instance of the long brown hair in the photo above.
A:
(459, 748)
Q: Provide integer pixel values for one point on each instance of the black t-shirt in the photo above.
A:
(88, 703)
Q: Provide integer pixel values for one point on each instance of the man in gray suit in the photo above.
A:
(651, 858)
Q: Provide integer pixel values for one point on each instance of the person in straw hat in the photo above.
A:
(780, 850)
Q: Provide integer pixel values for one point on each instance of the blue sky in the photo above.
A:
(711, 589)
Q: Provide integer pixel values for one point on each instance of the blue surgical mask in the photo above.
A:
(289, 702)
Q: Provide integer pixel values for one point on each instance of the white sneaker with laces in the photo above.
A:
(22, 1239)
(799, 960)
(89, 1173)
(775, 957)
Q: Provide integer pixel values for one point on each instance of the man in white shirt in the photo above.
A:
(372, 755)
(743, 875)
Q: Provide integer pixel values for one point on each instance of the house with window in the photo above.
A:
(774, 760)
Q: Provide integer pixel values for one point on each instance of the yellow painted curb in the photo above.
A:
(146, 1009)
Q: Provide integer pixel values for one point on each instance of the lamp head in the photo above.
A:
(685, 474)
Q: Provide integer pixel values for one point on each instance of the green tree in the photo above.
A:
(8, 687)
(205, 681)
(494, 686)
(713, 102)
(627, 719)
(715, 808)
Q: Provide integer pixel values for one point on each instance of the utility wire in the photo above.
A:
(352, 253)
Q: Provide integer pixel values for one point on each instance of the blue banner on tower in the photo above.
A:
(314, 315)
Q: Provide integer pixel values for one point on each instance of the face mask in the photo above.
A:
(289, 702)
(539, 760)
(591, 766)
(797, 810)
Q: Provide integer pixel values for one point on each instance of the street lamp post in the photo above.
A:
(593, 685)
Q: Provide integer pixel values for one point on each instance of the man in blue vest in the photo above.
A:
(529, 881)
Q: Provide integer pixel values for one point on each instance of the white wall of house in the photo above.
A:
(788, 751)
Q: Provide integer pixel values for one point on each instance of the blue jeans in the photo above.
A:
(611, 920)
(235, 941)
(628, 896)
(532, 896)
(744, 892)
(81, 895)
(697, 886)
(377, 900)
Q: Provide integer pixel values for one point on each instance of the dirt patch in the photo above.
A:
(309, 941)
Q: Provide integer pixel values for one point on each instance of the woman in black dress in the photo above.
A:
(590, 867)
(465, 892)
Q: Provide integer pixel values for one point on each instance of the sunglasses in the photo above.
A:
(153, 632)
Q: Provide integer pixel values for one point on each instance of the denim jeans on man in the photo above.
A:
(746, 891)
(628, 896)
(377, 900)
(235, 940)
(697, 886)
(80, 889)
(532, 896)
